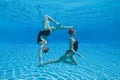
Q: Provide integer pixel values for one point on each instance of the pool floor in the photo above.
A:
(20, 61)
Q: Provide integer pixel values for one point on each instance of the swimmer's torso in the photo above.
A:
(42, 35)
(73, 44)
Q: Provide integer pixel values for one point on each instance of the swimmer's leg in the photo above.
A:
(40, 56)
(65, 57)
(49, 62)
(62, 58)
(47, 20)
(52, 61)
(73, 60)
(69, 62)
(55, 61)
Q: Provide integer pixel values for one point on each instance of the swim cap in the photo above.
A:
(46, 50)
(71, 31)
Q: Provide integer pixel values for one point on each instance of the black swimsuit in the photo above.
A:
(44, 33)
(75, 47)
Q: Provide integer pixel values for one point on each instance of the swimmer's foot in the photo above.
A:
(41, 64)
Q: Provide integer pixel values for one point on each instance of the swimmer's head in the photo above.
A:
(71, 31)
(45, 50)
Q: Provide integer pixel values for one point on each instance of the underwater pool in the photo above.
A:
(97, 23)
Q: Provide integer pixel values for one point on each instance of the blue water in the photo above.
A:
(97, 23)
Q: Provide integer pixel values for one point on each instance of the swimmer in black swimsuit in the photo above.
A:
(73, 47)
(45, 32)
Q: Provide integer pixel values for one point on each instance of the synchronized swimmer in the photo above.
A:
(45, 32)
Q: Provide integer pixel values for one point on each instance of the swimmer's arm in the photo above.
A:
(77, 53)
(51, 19)
(44, 41)
(43, 45)
(66, 27)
